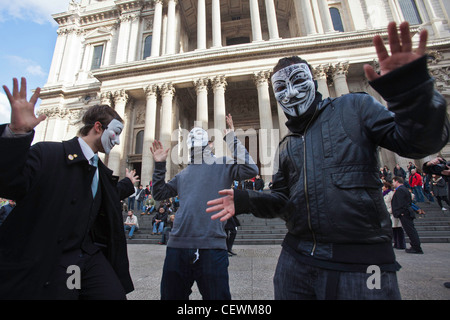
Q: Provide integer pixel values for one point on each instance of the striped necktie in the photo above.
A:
(94, 185)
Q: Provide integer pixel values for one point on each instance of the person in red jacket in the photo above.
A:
(415, 181)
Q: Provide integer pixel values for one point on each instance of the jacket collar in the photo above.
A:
(72, 152)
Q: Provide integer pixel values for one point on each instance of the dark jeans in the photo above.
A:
(208, 267)
(294, 280)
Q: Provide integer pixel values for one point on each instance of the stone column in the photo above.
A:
(149, 133)
(320, 75)
(171, 24)
(219, 83)
(267, 139)
(272, 20)
(58, 56)
(120, 100)
(325, 15)
(135, 21)
(256, 20)
(167, 94)
(201, 87)
(216, 24)
(304, 8)
(124, 39)
(157, 27)
(339, 72)
(437, 22)
(201, 25)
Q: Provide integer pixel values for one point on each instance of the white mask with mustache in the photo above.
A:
(110, 136)
(294, 89)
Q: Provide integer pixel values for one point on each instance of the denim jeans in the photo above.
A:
(131, 228)
(294, 280)
(418, 192)
(158, 227)
(207, 267)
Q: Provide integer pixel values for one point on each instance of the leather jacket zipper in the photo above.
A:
(305, 182)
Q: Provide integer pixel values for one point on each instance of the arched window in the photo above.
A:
(147, 46)
(410, 11)
(139, 146)
(336, 18)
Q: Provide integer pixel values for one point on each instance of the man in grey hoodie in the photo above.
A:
(197, 249)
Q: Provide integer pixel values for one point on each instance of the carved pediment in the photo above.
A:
(100, 34)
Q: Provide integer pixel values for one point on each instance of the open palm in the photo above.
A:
(402, 52)
(23, 119)
(159, 154)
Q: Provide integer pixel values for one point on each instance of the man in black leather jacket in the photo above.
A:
(327, 187)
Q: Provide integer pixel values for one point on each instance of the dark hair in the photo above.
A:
(387, 184)
(285, 62)
(398, 179)
(100, 112)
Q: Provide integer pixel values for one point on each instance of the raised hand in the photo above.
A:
(225, 205)
(159, 154)
(132, 175)
(23, 119)
(401, 50)
(229, 120)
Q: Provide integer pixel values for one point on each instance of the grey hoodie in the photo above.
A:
(196, 185)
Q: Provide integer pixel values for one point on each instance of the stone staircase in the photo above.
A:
(434, 227)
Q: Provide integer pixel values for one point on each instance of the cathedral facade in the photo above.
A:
(167, 65)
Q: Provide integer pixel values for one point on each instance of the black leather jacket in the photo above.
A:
(327, 184)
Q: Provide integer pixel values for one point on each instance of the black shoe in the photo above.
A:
(411, 250)
(447, 284)
(231, 253)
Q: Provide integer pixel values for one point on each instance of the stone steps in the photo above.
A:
(434, 227)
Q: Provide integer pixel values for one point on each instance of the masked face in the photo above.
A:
(110, 136)
(294, 89)
(197, 138)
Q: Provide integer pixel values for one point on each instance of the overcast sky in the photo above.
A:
(28, 36)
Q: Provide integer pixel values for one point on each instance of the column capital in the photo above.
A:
(155, 2)
(120, 96)
(339, 69)
(219, 82)
(105, 97)
(167, 89)
(261, 77)
(321, 71)
(150, 90)
(201, 84)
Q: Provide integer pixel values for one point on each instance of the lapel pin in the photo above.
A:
(70, 157)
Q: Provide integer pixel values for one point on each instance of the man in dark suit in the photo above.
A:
(401, 208)
(65, 237)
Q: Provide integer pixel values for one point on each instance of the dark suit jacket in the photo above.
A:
(51, 183)
(401, 202)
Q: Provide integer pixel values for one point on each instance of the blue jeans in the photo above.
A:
(131, 203)
(294, 280)
(131, 228)
(208, 267)
(139, 205)
(418, 192)
(158, 227)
